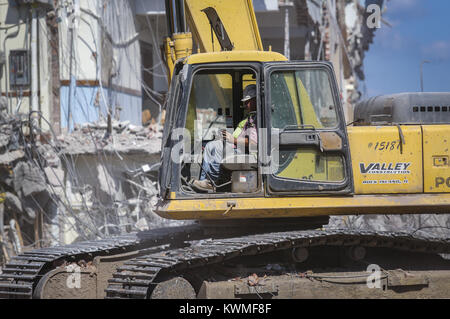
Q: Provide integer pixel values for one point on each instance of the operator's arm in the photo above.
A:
(235, 140)
(243, 135)
(246, 137)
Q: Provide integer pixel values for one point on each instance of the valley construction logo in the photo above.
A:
(385, 168)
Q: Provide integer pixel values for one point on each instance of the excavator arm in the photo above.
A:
(235, 28)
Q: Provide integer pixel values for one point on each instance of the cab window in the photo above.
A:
(303, 99)
(210, 103)
(214, 105)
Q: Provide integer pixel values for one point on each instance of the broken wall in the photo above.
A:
(101, 67)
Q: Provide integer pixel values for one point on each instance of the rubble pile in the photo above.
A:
(89, 138)
(426, 224)
(41, 186)
(23, 189)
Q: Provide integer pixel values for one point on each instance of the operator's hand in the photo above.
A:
(227, 136)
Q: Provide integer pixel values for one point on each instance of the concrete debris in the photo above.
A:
(11, 157)
(135, 129)
(9, 130)
(3, 103)
(13, 203)
(254, 280)
(125, 138)
(6, 130)
(23, 179)
(55, 176)
(106, 182)
(432, 225)
(49, 155)
(6, 178)
(28, 180)
(142, 224)
(4, 141)
(35, 204)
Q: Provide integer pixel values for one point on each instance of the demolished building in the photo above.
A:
(82, 61)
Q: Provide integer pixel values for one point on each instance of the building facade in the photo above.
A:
(72, 61)
(82, 61)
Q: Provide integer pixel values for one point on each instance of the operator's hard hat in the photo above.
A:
(249, 92)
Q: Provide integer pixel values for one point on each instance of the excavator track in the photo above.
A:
(23, 272)
(137, 277)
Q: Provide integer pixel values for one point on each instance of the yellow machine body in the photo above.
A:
(308, 206)
(235, 56)
(383, 163)
(396, 169)
(436, 145)
(390, 177)
(237, 15)
(177, 48)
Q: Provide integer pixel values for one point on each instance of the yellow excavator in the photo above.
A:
(396, 158)
(255, 223)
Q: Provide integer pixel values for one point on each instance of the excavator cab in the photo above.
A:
(302, 144)
(214, 105)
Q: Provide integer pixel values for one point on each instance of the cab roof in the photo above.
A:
(235, 56)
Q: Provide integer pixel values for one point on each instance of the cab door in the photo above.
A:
(308, 148)
(173, 109)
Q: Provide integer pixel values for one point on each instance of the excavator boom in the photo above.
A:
(235, 25)
(212, 32)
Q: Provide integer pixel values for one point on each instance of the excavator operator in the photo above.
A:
(245, 133)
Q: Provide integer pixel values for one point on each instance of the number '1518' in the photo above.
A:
(387, 146)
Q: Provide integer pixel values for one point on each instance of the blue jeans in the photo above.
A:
(212, 157)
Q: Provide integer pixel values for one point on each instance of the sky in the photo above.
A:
(420, 31)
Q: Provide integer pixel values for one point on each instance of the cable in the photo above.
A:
(83, 99)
